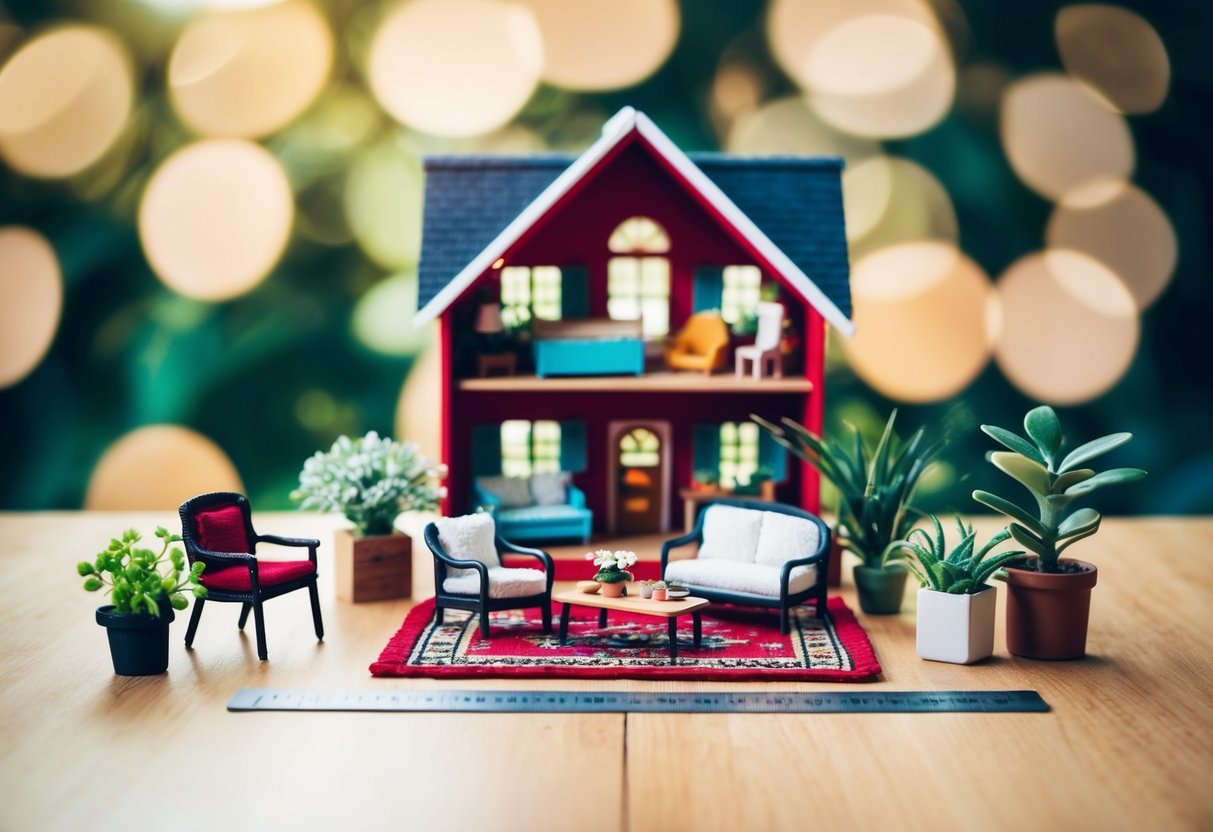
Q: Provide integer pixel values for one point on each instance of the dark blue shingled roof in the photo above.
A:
(795, 201)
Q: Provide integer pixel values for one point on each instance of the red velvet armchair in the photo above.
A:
(217, 529)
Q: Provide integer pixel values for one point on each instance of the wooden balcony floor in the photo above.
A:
(654, 382)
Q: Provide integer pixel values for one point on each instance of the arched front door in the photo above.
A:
(640, 482)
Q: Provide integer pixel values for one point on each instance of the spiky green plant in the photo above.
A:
(1054, 481)
(962, 571)
(875, 489)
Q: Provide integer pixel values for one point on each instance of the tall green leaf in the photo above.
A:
(1115, 476)
(1045, 430)
(1071, 478)
(1029, 540)
(1005, 506)
(1092, 449)
(1013, 441)
(1027, 472)
(1080, 522)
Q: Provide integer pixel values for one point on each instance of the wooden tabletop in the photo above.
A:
(1128, 743)
(644, 606)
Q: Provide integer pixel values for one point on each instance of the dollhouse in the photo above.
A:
(609, 321)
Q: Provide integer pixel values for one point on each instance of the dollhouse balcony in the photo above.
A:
(650, 382)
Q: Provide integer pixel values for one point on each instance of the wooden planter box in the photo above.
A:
(374, 568)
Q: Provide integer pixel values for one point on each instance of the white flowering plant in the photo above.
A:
(612, 566)
(370, 480)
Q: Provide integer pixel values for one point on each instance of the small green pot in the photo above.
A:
(880, 590)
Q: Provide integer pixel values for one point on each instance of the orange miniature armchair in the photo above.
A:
(701, 345)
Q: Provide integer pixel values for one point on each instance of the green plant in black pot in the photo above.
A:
(144, 587)
(875, 489)
(1049, 597)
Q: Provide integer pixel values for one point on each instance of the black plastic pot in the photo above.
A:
(138, 641)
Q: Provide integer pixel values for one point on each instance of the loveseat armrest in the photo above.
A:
(486, 499)
(693, 536)
(574, 496)
(821, 556)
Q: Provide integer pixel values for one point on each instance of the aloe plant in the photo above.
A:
(875, 488)
(1054, 481)
(962, 571)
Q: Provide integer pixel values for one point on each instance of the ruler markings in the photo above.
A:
(491, 701)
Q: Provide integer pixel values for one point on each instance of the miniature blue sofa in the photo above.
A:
(539, 522)
(588, 347)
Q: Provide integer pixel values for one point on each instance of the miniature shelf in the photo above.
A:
(659, 382)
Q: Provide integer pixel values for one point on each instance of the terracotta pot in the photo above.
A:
(955, 628)
(659, 594)
(1047, 613)
(880, 590)
(375, 568)
(614, 590)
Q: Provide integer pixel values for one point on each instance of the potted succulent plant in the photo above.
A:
(145, 588)
(371, 480)
(955, 604)
(660, 588)
(613, 571)
(646, 589)
(1049, 597)
(875, 489)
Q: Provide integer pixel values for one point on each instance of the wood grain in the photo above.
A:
(1128, 744)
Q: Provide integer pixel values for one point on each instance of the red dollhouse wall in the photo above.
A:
(632, 184)
(575, 232)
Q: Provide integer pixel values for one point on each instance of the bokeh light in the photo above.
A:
(215, 218)
(924, 318)
(890, 200)
(383, 197)
(1117, 52)
(65, 97)
(795, 27)
(881, 76)
(418, 417)
(604, 46)
(156, 468)
(32, 290)
(1070, 327)
(383, 317)
(1129, 233)
(250, 73)
(787, 125)
(1060, 137)
(456, 67)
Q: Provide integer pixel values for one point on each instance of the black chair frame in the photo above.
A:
(482, 604)
(252, 599)
(786, 600)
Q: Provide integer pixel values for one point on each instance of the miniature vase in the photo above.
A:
(956, 628)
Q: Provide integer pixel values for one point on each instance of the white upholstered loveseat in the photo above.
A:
(755, 554)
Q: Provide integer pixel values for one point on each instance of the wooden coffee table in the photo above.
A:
(659, 609)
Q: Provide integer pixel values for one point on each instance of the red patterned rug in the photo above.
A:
(737, 645)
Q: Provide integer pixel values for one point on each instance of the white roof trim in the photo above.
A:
(613, 132)
(744, 225)
(616, 128)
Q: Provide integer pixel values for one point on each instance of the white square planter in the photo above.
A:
(956, 628)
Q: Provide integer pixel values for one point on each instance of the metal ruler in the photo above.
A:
(554, 701)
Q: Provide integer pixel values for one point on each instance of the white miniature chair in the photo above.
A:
(765, 350)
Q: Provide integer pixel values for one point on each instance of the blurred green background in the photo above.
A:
(210, 218)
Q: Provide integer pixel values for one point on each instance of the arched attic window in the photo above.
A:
(638, 276)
